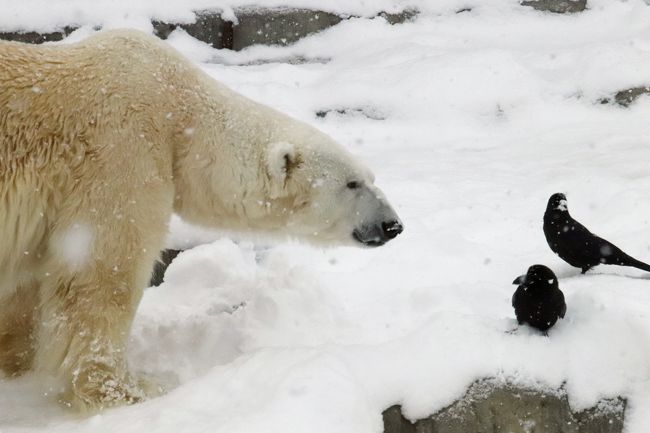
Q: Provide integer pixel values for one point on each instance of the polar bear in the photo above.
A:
(100, 142)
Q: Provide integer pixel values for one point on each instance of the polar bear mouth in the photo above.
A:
(378, 235)
(375, 241)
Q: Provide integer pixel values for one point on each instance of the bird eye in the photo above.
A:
(353, 185)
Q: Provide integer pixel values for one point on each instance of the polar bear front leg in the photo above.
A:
(86, 318)
(18, 316)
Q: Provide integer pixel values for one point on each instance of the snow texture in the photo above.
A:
(75, 245)
(486, 114)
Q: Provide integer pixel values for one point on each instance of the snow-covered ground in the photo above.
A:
(485, 114)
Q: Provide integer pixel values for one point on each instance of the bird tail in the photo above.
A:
(631, 261)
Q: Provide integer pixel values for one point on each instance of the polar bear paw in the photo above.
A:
(96, 386)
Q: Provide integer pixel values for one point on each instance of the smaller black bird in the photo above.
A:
(578, 246)
(538, 301)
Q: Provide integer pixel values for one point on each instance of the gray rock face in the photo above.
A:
(497, 408)
(281, 26)
(557, 6)
(37, 38)
(209, 27)
(278, 26)
(255, 26)
(628, 96)
(401, 17)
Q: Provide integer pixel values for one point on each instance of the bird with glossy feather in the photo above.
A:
(538, 301)
(578, 246)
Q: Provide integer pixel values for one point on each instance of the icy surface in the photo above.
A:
(486, 114)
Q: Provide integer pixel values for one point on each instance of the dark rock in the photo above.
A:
(35, 37)
(163, 29)
(626, 97)
(606, 417)
(369, 112)
(255, 26)
(557, 6)
(394, 421)
(278, 26)
(281, 26)
(401, 17)
(489, 407)
(209, 27)
(159, 268)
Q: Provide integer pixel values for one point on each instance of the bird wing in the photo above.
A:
(576, 229)
(515, 296)
(561, 304)
(577, 241)
(519, 303)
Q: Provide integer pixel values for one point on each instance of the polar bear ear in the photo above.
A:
(282, 159)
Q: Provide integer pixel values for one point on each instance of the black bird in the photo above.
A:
(578, 246)
(538, 301)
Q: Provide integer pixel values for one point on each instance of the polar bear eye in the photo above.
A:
(353, 185)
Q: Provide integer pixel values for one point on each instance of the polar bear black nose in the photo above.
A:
(392, 228)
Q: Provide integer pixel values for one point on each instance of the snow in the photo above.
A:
(75, 245)
(486, 114)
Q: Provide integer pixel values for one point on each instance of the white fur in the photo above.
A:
(122, 132)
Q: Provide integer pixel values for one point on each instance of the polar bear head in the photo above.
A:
(331, 197)
(247, 167)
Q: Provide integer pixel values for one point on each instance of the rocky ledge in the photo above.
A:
(494, 407)
(271, 26)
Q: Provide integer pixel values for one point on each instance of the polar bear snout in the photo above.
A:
(377, 221)
(376, 235)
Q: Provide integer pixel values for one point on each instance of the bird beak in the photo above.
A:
(521, 279)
